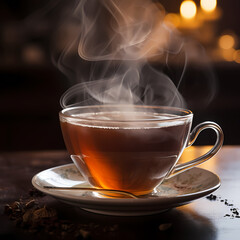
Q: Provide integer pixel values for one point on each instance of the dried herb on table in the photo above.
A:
(211, 197)
(234, 211)
(164, 226)
(36, 218)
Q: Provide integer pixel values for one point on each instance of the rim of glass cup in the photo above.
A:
(185, 113)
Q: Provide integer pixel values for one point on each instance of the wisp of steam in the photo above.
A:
(116, 45)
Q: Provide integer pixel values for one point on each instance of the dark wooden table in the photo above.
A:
(205, 219)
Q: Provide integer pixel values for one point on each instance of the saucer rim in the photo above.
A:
(123, 202)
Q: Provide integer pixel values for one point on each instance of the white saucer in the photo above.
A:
(177, 191)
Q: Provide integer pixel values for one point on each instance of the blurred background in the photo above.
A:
(31, 84)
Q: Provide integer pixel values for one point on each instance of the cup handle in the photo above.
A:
(192, 137)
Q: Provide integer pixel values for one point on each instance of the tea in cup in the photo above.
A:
(131, 148)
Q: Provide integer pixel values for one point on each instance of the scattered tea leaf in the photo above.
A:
(165, 226)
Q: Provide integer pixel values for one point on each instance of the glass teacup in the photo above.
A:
(131, 148)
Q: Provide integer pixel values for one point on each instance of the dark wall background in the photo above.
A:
(31, 86)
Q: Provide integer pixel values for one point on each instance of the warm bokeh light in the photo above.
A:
(172, 19)
(188, 9)
(226, 41)
(228, 54)
(236, 56)
(208, 5)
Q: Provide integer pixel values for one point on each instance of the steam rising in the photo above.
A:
(121, 30)
(117, 42)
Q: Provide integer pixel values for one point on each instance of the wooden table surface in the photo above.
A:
(203, 218)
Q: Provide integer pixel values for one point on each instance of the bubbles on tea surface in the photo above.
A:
(126, 120)
(124, 116)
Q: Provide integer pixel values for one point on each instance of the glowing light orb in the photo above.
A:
(188, 9)
(226, 41)
(208, 5)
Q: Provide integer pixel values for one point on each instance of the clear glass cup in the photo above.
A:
(131, 148)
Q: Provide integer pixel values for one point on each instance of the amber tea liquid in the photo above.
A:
(132, 157)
